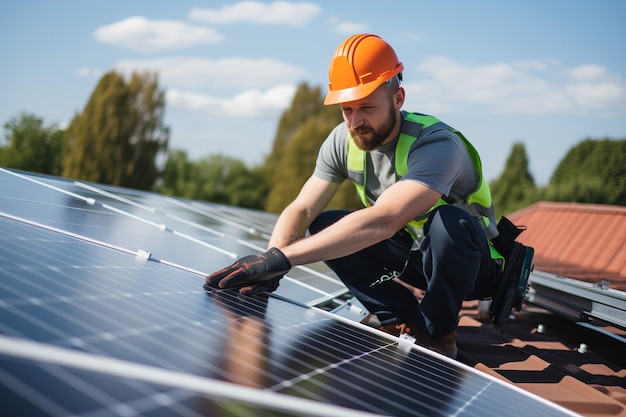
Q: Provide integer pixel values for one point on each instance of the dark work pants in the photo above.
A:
(453, 264)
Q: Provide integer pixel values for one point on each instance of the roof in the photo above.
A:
(577, 240)
(562, 361)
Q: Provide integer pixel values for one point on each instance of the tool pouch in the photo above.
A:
(518, 263)
(505, 241)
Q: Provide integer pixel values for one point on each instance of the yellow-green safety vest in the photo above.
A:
(479, 203)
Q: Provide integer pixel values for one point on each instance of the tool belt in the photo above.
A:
(518, 263)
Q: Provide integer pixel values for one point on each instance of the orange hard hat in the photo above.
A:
(360, 64)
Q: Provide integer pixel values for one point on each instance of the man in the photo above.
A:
(419, 179)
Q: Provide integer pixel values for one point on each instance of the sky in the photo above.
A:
(545, 73)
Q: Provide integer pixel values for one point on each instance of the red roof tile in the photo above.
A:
(576, 240)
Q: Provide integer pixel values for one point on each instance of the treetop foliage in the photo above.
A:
(117, 137)
(302, 129)
(31, 146)
(591, 172)
(515, 188)
(216, 178)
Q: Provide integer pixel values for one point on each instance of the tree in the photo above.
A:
(228, 181)
(594, 171)
(31, 146)
(120, 133)
(301, 131)
(178, 175)
(306, 103)
(515, 188)
(216, 178)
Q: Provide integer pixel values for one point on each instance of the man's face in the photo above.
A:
(371, 120)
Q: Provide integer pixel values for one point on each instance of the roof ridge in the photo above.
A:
(571, 206)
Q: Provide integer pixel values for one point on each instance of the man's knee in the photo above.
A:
(454, 223)
(446, 217)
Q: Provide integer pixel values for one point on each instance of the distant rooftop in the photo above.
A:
(576, 240)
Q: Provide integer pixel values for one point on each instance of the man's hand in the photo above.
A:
(253, 273)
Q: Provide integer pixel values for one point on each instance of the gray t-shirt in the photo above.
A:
(438, 159)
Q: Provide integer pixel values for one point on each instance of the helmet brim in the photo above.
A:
(359, 92)
(351, 94)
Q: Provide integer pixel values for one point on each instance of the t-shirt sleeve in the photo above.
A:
(331, 159)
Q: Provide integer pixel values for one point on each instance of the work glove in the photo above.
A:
(253, 273)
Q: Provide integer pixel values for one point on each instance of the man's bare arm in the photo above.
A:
(298, 216)
(398, 205)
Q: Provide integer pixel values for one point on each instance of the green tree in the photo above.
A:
(305, 104)
(31, 146)
(594, 171)
(301, 131)
(225, 180)
(216, 178)
(178, 176)
(120, 133)
(515, 188)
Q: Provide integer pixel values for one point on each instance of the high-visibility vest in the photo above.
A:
(479, 202)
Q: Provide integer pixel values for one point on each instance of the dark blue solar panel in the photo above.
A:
(69, 304)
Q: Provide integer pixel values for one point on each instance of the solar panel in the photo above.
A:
(195, 235)
(104, 313)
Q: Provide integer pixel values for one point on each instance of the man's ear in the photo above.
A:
(399, 98)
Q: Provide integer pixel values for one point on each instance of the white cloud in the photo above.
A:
(413, 36)
(588, 72)
(87, 71)
(345, 27)
(194, 72)
(150, 36)
(249, 103)
(274, 13)
(528, 87)
(349, 28)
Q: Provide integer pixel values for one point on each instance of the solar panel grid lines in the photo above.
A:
(71, 289)
(219, 216)
(53, 357)
(160, 226)
(491, 395)
(108, 334)
(160, 207)
(142, 218)
(412, 374)
(94, 299)
(107, 205)
(303, 360)
(140, 255)
(283, 329)
(321, 294)
(113, 196)
(315, 293)
(37, 401)
(30, 178)
(66, 300)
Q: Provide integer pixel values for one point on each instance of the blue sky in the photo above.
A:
(548, 73)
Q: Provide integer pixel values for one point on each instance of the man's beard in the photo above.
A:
(378, 136)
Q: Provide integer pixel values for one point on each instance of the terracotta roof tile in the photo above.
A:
(580, 241)
(547, 363)
(575, 395)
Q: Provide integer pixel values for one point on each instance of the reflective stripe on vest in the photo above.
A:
(479, 203)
